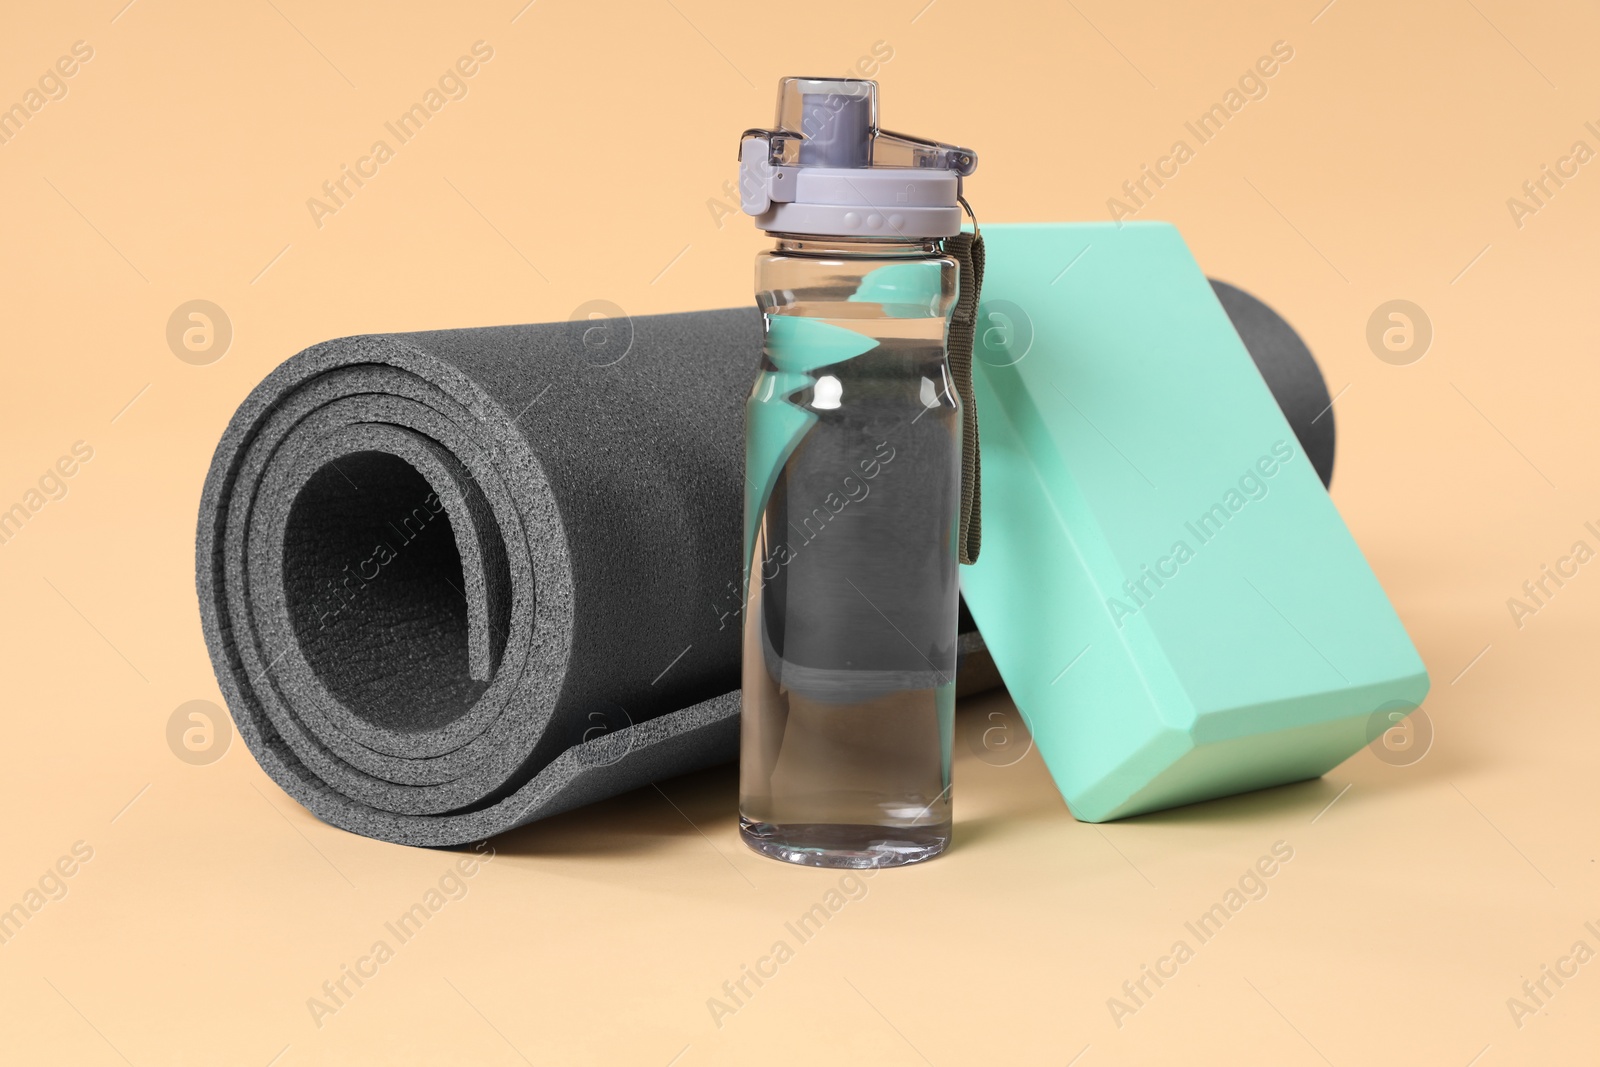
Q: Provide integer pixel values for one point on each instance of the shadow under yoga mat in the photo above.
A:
(454, 582)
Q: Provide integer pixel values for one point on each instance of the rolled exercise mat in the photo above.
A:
(454, 582)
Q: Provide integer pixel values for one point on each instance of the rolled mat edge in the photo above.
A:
(603, 652)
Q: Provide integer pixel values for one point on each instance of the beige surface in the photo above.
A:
(585, 163)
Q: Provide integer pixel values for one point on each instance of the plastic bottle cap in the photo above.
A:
(826, 168)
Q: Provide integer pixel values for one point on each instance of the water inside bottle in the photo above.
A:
(849, 657)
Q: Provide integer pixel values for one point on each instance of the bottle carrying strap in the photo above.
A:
(967, 250)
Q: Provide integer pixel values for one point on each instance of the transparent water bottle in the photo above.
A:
(853, 486)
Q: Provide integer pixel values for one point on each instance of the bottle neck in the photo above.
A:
(869, 247)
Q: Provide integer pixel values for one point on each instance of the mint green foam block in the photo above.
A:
(1167, 590)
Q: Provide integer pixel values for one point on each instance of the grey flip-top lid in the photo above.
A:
(826, 168)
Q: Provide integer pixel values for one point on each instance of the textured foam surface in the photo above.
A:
(453, 582)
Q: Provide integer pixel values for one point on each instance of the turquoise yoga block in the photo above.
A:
(1166, 588)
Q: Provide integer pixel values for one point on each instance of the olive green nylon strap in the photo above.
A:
(967, 249)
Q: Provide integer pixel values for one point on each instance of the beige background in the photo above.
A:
(585, 163)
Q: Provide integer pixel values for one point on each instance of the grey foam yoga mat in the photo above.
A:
(453, 582)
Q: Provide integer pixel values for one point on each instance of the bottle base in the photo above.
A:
(846, 845)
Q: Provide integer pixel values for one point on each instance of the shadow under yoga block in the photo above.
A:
(1165, 586)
